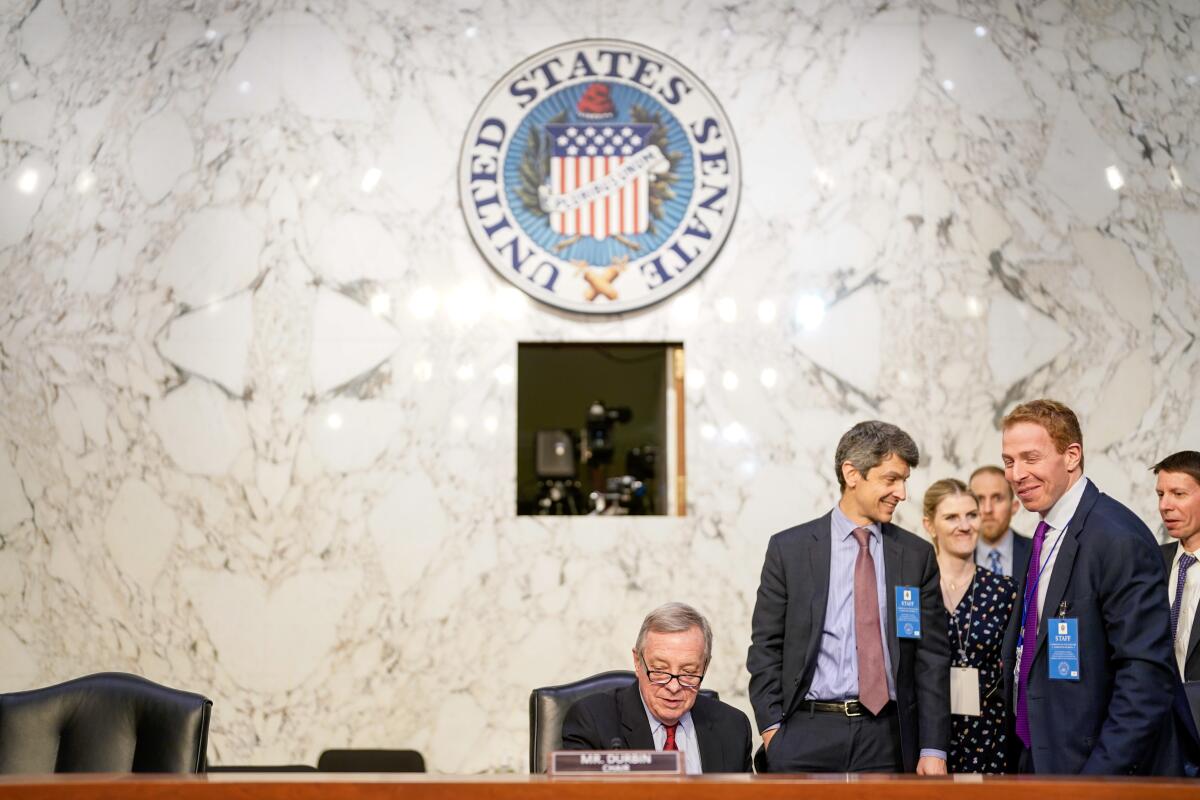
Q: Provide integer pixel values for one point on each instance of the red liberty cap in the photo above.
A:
(596, 103)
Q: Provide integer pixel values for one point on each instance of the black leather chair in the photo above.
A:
(371, 761)
(109, 722)
(548, 705)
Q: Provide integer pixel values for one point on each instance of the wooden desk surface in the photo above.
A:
(310, 786)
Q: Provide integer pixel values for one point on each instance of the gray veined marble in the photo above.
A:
(257, 384)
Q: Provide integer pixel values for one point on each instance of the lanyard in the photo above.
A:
(961, 639)
(1037, 585)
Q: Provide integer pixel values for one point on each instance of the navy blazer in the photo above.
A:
(616, 720)
(789, 618)
(1108, 575)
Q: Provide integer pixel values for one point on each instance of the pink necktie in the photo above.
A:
(872, 680)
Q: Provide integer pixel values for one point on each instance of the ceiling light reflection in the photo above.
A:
(28, 181)
(730, 381)
(381, 304)
(708, 430)
(769, 377)
(334, 421)
(465, 372)
(810, 310)
(85, 181)
(1115, 179)
(505, 374)
(980, 31)
(423, 370)
(371, 178)
(734, 433)
(727, 309)
(695, 378)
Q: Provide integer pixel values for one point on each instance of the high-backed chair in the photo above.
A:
(548, 705)
(108, 722)
(371, 761)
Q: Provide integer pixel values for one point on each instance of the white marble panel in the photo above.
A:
(258, 402)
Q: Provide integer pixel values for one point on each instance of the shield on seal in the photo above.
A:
(595, 173)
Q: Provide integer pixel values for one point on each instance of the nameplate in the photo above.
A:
(616, 762)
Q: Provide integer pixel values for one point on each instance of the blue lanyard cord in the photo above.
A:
(1037, 584)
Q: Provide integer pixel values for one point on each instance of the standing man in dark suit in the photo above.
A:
(1178, 488)
(664, 710)
(849, 660)
(1000, 549)
(1088, 658)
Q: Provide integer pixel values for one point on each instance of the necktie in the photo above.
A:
(1185, 561)
(1029, 634)
(670, 743)
(872, 680)
(994, 562)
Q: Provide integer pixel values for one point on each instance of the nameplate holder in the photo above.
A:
(616, 762)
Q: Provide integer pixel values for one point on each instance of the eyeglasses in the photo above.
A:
(661, 678)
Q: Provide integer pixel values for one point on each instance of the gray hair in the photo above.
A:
(675, 618)
(868, 443)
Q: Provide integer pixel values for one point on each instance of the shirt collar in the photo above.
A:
(685, 722)
(843, 526)
(1061, 512)
(1179, 551)
(1004, 547)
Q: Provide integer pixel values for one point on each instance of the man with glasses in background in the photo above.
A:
(664, 709)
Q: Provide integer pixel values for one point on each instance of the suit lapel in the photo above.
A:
(1193, 637)
(1064, 562)
(892, 561)
(819, 555)
(634, 724)
(706, 736)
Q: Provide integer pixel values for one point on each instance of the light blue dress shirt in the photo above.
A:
(685, 739)
(836, 675)
(1004, 548)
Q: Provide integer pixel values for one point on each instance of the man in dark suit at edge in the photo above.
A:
(664, 710)
(836, 684)
(1087, 655)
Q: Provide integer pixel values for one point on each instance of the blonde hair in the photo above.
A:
(939, 491)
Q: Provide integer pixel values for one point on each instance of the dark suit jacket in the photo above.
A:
(616, 720)
(789, 618)
(1191, 664)
(1022, 547)
(1110, 577)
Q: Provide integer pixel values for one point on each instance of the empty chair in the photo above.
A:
(371, 761)
(548, 705)
(108, 722)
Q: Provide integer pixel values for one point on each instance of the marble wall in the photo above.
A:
(256, 429)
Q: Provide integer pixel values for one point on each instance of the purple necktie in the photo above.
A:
(1185, 561)
(1029, 633)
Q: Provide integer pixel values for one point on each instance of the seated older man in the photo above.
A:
(664, 710)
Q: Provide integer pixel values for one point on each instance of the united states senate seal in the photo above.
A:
(599, 176)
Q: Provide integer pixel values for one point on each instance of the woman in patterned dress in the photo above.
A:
(978, 606)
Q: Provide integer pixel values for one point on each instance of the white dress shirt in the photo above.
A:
(1058, 517)
(685, 739)
(983, 553)
(1187, 610)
